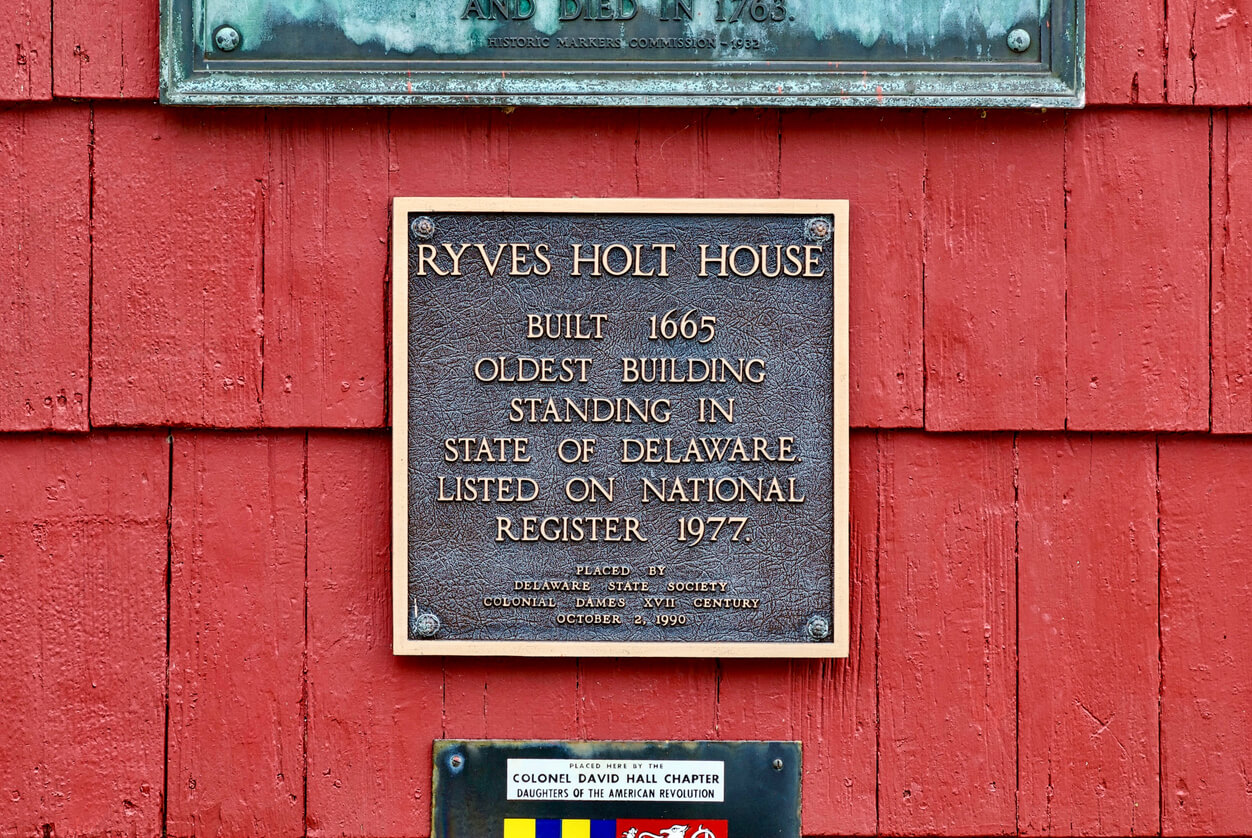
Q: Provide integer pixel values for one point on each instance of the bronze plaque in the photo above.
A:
(691, 53)
(528, 789)
(620, 427)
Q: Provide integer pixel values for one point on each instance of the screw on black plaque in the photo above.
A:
(423, 228)
(456, 762)
(227, 38)
(778, 765)
(817, 229)
(427, 625)
(818, 628)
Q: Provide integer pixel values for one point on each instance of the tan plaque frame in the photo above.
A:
(401, 644)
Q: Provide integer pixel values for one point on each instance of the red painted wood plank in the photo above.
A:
(327, 216)
(1138, 270)
(44, 295)
(177, 310)
(995, 271)
(670, 148)
(623, 699)
(1206, 596)
(1125, 52)
(105, 49)
(947, 650)
(237, 637)
(829, 706)
(741, 153)
(26, 32)
(1089, 676)
(372, 716)
(564, 153)
(1232, 253)
(1208, 49)
(496, 698)
(449, 152)
(82, 664)
(878, 162)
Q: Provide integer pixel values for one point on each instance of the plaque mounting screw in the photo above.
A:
(778, 765)
(423, 228)
(817, 230)
(427, 625)
(818, 628)
(1019, 40)
(227, 38)
(456, 761)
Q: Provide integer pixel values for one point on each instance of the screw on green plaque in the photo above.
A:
(529, 789)
(974, 53)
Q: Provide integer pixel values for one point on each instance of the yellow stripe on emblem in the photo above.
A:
(519, 828)
(574, 829)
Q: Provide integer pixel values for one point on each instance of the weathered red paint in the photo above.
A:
(995, 271)
(1208, 44)
(323, 276)
(177, 314)
(1088, 647)
(1206, 596)
(878, 162)
(448, 152)
(237, 635)
(947, 652)
(372, 717)
(1137, 259)
(1231, 292)
(1126, 52)
(26, 33)
(44, 268)
(570, 153)
(82, 660)
(105, 49)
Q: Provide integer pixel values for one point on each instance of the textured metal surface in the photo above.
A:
(762, 786)
(768, 580)
(624, 52)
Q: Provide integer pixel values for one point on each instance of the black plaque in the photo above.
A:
(503, 789)
(624, 52)
(621, 428)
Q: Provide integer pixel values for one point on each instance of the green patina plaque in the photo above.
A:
(623, 52)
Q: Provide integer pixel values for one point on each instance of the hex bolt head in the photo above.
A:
(818, 628)
(227, 38)
(1019, 40)
(427, 625)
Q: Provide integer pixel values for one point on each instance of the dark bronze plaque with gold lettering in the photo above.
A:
(620, 427)
(974, 53)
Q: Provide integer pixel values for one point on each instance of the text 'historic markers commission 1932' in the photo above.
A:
(620, 427)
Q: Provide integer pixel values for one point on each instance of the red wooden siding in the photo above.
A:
(1049, 606)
